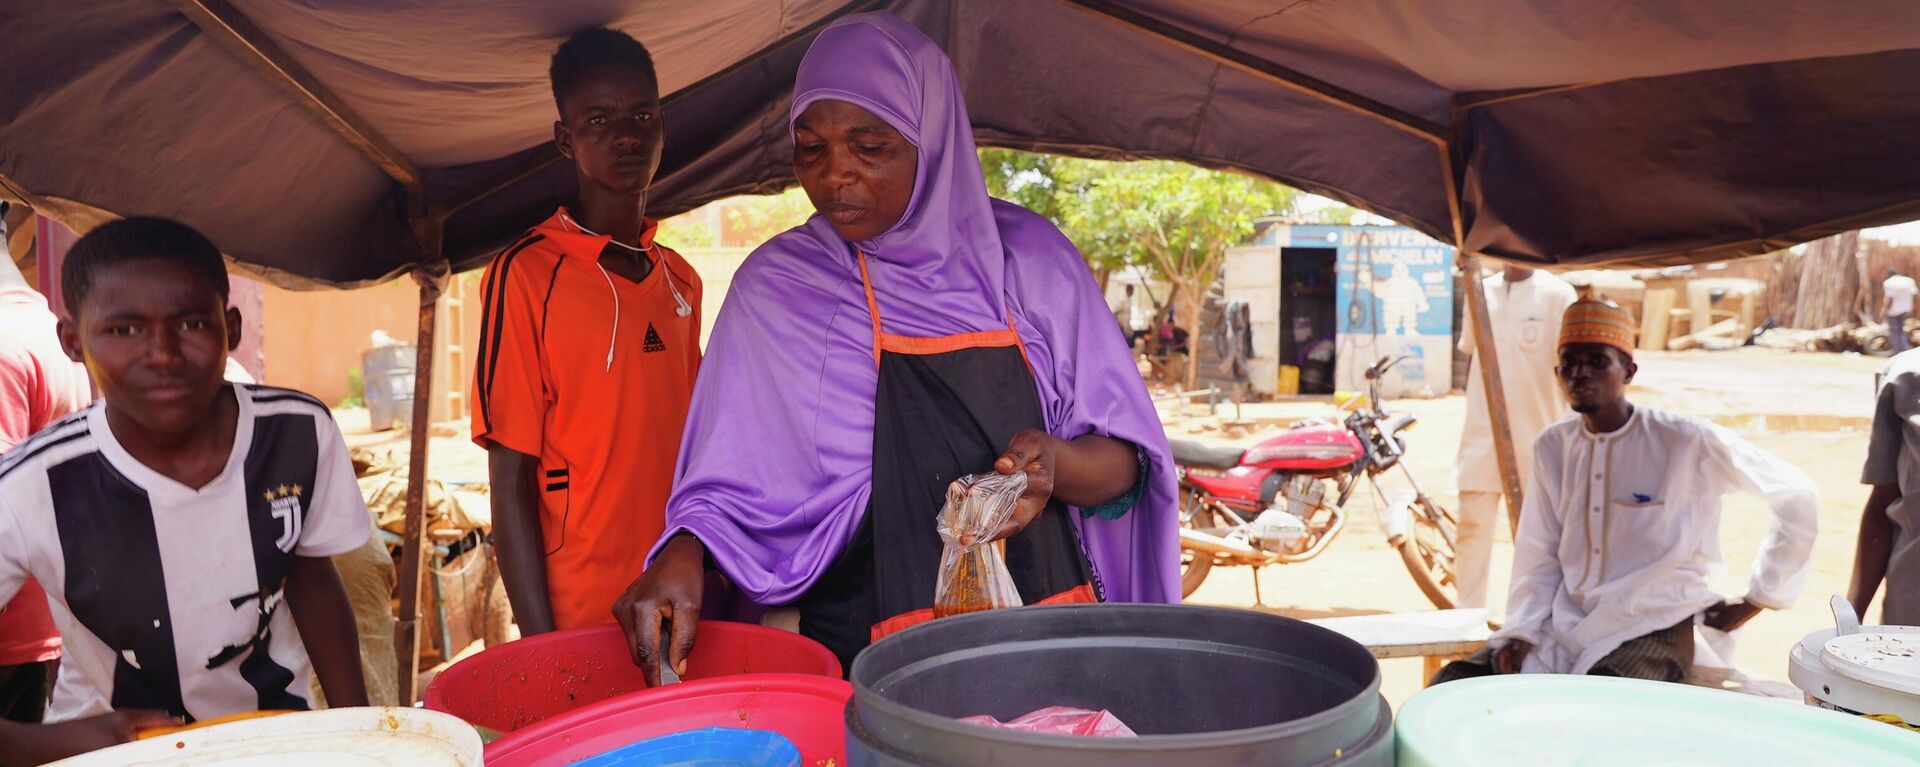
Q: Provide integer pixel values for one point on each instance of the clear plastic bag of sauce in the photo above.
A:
(973, 573)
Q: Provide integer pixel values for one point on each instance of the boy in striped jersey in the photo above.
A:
(182, 526)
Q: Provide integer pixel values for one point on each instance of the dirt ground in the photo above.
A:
(1811, 409)
(1814, 410)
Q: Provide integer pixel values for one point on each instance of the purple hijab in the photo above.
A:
(777, 461)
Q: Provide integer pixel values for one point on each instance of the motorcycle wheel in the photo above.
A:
(1427, 551)
(1194, 565)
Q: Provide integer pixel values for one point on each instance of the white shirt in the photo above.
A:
(168, 597)
(1900, 290)
(1526, 326)
(1621, 532)
(1893, 458)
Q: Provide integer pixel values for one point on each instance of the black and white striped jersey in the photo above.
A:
(168, 597)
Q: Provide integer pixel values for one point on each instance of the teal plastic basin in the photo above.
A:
(1548, 720)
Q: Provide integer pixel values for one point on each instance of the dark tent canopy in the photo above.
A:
(311, 139)
(340, 142)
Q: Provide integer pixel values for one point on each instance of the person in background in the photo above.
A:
(1525, 306)
(1314, 356)
(368, 575)
(182, 526)
(1621, 528)
(1168, 337)
(1897, 307)
(1140, 320)
(1888, 548)
(913, 332)
(589, 343)
(1123, 313)
(38, 386)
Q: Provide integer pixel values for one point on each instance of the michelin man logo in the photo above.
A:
(285, 504)
(1402, 301)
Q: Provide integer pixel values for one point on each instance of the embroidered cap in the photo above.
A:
(1594, 321)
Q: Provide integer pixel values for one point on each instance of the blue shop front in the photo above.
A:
(1327, 300)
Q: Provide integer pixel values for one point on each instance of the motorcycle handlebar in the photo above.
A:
(1380, 368)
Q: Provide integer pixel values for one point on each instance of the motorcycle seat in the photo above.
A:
(1205, 456)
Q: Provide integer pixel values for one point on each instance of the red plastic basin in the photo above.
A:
(808, 710)
(519, 683)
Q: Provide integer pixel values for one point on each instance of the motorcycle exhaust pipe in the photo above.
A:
(1195, 540)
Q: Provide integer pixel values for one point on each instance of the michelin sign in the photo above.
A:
(1394, 297)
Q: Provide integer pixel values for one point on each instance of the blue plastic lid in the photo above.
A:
(711, 747)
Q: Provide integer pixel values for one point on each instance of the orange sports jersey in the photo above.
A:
(591, 372)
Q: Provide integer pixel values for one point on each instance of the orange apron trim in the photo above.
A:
(982, 340)
(1081, 594)
(985, 339)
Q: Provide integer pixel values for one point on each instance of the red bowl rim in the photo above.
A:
(432, 697)
(839, 691)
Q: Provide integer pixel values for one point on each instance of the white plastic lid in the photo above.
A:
(343, 737)
(1883, 659)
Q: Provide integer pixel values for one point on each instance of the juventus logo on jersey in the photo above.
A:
(285, 503)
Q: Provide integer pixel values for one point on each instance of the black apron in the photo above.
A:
(945, 408)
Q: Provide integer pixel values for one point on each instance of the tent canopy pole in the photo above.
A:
(413, 548)
(1487, 359)
(1486, 352)
(227, 27)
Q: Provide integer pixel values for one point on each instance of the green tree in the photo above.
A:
(1026, 178)
(1057, 187)
(1176, 219)
(743, 221)
(1334, 212)
(1184, 218)
(754, 220)
(684, 232)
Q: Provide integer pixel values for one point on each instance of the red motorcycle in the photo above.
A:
(1285, 500)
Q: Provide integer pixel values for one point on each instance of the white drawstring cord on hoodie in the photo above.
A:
(616, 316)
(681, 307)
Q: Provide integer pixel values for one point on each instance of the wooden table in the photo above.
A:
(1436, 636)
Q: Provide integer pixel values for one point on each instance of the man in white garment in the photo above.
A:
(1123, 312)
(1525, 307)
(1621, 528)
(1898, 306)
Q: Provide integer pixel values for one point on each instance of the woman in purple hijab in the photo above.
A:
(915, 331)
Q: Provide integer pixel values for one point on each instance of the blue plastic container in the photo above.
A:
(711, 747)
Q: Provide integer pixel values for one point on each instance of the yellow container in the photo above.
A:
(1289, 382)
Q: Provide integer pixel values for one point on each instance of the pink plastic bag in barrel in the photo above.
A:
(1063, 720)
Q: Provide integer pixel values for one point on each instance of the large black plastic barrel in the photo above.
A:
(1202, 686)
